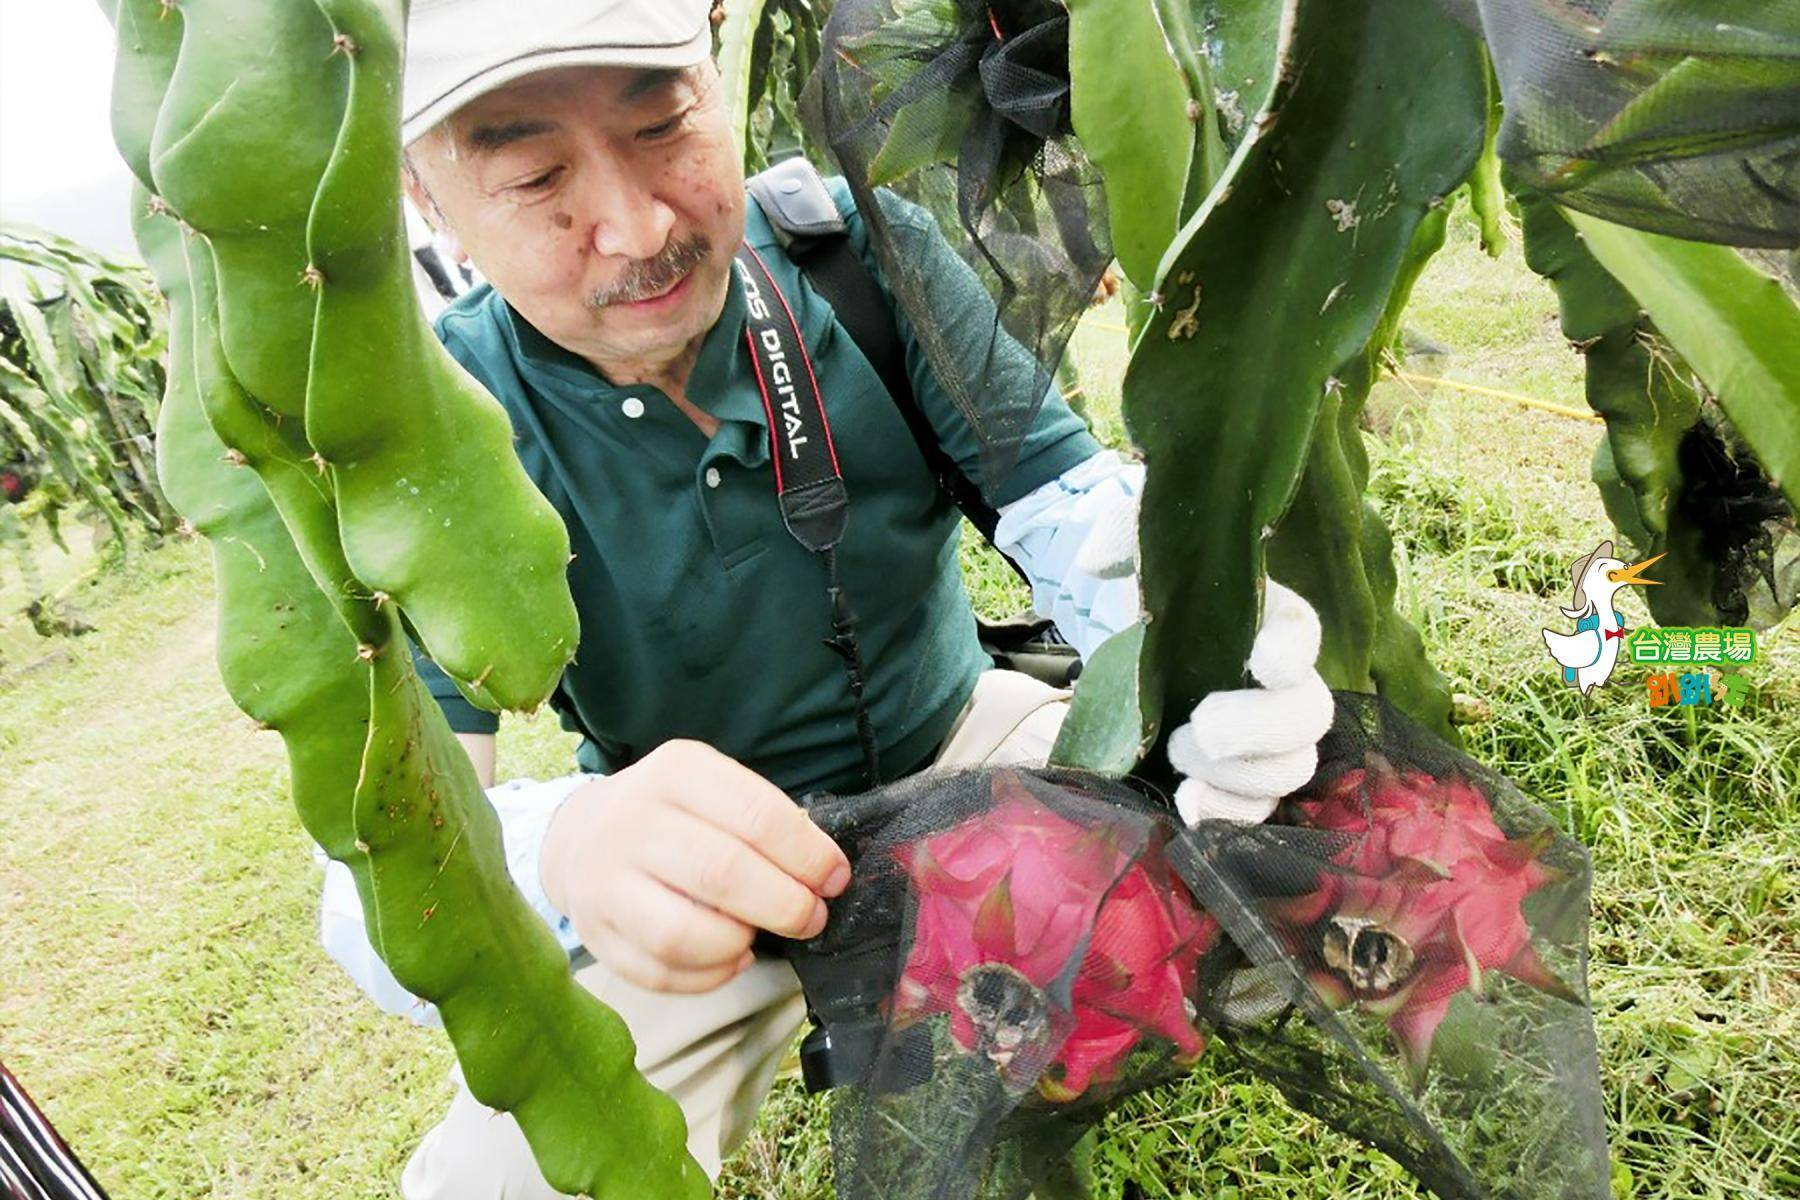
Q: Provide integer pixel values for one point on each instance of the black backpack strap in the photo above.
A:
(797, 204)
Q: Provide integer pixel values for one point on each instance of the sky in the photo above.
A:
(58, 167)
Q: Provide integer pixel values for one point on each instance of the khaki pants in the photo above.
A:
(716, 1054)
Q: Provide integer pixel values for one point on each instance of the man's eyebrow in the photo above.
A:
(485, 139)
(651, 79)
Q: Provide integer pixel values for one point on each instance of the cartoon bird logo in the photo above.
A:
(1589, 655)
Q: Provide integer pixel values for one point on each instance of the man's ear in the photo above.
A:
(414, 187)
(426, 204)
(449, 245)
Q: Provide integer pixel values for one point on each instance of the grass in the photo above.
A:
(162, 994)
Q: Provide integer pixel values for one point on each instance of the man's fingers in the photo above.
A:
(635, 965)
(673, 929)
(1266, 775)
(734, 798)
(1253, 721)
(1286, 648)
(1197, 800)
(710, 865)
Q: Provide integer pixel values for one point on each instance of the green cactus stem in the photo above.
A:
(1276, 283)
(308, 648)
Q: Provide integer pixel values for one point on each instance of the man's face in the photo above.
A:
(605, 204)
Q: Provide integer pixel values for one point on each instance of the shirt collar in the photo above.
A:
(722, 357)
(713, 384)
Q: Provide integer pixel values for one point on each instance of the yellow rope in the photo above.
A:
(1561, 410)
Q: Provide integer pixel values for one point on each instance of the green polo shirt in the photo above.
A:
(701, 617)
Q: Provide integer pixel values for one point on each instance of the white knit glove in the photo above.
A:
(1242, 751)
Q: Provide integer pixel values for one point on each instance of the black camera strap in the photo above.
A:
(794, 198)
(809, 486)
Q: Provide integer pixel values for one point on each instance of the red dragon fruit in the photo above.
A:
(1430, 900)
(1053, 949)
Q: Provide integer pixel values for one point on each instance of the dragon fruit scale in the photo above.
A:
(1055, 948)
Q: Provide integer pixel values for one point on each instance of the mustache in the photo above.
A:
(653, 276)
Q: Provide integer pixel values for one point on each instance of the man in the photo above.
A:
(580, 155)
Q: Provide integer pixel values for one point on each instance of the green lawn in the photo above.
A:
(162, 993)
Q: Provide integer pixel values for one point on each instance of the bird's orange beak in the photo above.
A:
(1630, 574)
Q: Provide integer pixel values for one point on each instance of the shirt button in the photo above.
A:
(712, 477)
(633, 407)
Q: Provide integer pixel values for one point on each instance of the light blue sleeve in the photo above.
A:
(525, 807)
(1044, 530)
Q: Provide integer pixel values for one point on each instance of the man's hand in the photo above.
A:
(668, 868)
(1243, 750)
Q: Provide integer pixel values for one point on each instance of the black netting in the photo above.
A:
(1677, 116)
(951, 118)
(1404, 956)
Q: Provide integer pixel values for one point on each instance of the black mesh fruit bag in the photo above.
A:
(1675, 116)
(1013, 953)
(1401, 953)
(1427, 926)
